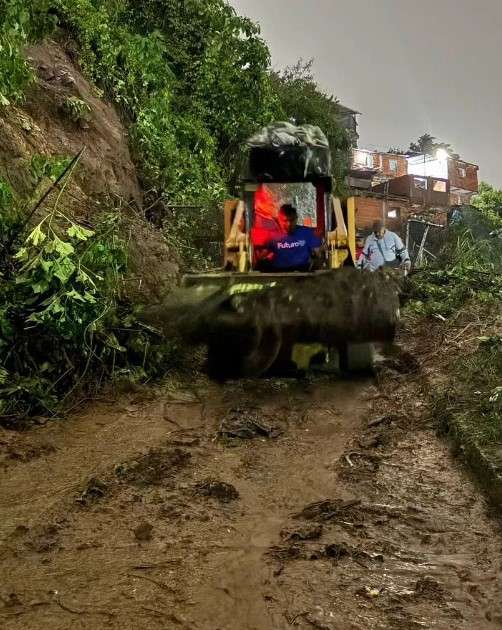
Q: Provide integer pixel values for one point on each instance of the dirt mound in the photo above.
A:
(62, 113)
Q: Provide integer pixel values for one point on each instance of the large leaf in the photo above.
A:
(79, 232)
(63, 247)
(63, 269)
(37, 236)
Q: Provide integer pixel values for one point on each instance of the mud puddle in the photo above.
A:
(254, 506)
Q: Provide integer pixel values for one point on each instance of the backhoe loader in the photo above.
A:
(254, 322)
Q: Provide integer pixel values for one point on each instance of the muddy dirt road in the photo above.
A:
(256, 506)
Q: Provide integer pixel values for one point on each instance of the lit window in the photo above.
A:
(360, 157)
(394, 213)
(439, 186)
(393, 165)
(420, 183)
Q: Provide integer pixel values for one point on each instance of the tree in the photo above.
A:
(397, 151)
(192, 78)
(302, 102)
(428, 145)
(220, 65)
(489, 201)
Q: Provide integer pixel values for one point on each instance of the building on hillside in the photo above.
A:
(398, 199)
(393, 188)
(375, 166)
(462, 176)
(348, 118)
(420, 192)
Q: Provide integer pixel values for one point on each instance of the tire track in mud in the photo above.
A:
(102, 532)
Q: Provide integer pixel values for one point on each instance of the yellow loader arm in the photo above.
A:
(342, 240)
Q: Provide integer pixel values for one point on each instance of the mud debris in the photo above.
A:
(428, 588)
(283, 553)
(328, 510)
(223, 492)
(248, 423)
(44, 539)
(154, 467)
(299, 549)
(94, 491)
(376, 422)
(308, 532)
(143, 532)
(28, 453)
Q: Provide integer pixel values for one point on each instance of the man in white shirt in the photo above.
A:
(384, 248)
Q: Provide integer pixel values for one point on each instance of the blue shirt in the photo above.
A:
(294, 251)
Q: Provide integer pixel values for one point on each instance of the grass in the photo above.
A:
(478, 387)
(462, 294)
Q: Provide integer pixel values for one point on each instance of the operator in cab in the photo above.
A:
(295, 247)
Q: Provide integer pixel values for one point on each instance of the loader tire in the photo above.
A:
(230, 359)
(357, 358)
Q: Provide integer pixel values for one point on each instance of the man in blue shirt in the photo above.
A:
(294, 247)
(384, 248)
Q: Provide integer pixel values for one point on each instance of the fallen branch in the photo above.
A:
(52, 187)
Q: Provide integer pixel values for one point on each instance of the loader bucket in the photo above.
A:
(247, 321)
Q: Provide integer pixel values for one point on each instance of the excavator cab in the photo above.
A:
(251, 221)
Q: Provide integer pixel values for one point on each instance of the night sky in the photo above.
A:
(409, 66)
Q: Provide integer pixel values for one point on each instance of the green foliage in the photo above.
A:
(33, 19)
(233, 86)
(469, 268)
(470, 265)
(130, 65)
(396, 151)
(192, 76)
(466, 284)
(6, 196)
(302, 101)
(476, 399)
(9, 215)
(64, 324)
(42, 166)
(15, 73)
(76, 109)
(178, 153)
(20, 22)
(489, 202)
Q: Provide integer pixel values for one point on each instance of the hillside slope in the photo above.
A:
(62, 113)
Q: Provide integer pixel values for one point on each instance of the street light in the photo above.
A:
(442, 155)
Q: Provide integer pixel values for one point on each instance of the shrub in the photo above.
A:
(64, 324)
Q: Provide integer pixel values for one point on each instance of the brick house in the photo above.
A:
(396, 200)
(462, 176)
(392, 187)
(382, 166)
(370, 207)
(464, 182)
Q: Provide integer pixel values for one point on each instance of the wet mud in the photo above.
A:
(256, 505)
